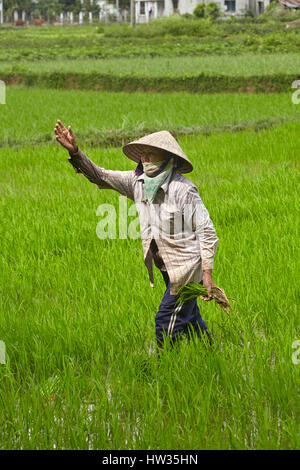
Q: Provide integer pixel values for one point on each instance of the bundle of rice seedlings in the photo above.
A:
(194, 289)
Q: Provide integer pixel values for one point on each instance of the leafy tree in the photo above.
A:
(69, 5)
(9, 6)
(47, 9)
(50, 8)
(124, 4)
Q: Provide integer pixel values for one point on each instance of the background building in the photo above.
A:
(146, 11)
(84, 11)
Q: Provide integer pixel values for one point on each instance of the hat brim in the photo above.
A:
(134, 151)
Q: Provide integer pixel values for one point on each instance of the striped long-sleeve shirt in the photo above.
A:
(176, 230)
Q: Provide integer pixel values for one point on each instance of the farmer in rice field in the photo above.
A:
(182, 243)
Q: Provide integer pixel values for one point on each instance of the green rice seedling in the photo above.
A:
(190, 291)
(194, 289)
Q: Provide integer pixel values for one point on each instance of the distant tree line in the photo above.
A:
(50, 9)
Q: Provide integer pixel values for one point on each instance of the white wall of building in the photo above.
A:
(188, 6)
(168, 10)
(142, 10)
(241, 6)
(165, 7)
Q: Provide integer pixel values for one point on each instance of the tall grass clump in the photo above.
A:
(168, 26)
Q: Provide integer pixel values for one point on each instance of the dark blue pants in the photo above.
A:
(176, 323)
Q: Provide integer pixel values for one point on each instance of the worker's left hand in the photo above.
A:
(208, 284)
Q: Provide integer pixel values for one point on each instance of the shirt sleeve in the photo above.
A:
(203, 226)
(121, 181)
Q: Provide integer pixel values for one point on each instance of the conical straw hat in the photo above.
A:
(162, 140)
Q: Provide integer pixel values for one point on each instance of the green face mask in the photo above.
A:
(152, 185)
(151, 167)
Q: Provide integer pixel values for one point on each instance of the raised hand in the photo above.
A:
(65, 137)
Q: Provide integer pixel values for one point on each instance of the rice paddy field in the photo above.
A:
(245, 64)
(77, 312)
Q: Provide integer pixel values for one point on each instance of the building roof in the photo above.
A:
(290, 3)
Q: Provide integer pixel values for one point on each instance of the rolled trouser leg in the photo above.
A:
(165, 315)
(198, 326)
(175, 322)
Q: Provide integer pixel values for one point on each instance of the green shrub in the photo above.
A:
(187, 16)
(212, 11)
(277, 11)
(272, 40)
(250, 40)
(274, 9)
(199, 11)
(249, 13)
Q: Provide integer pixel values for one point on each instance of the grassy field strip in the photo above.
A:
(107, 118)
(201, 83)
(167, 48)
(242, 65)
(163, 37)
(117, 137)
(77, 325)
